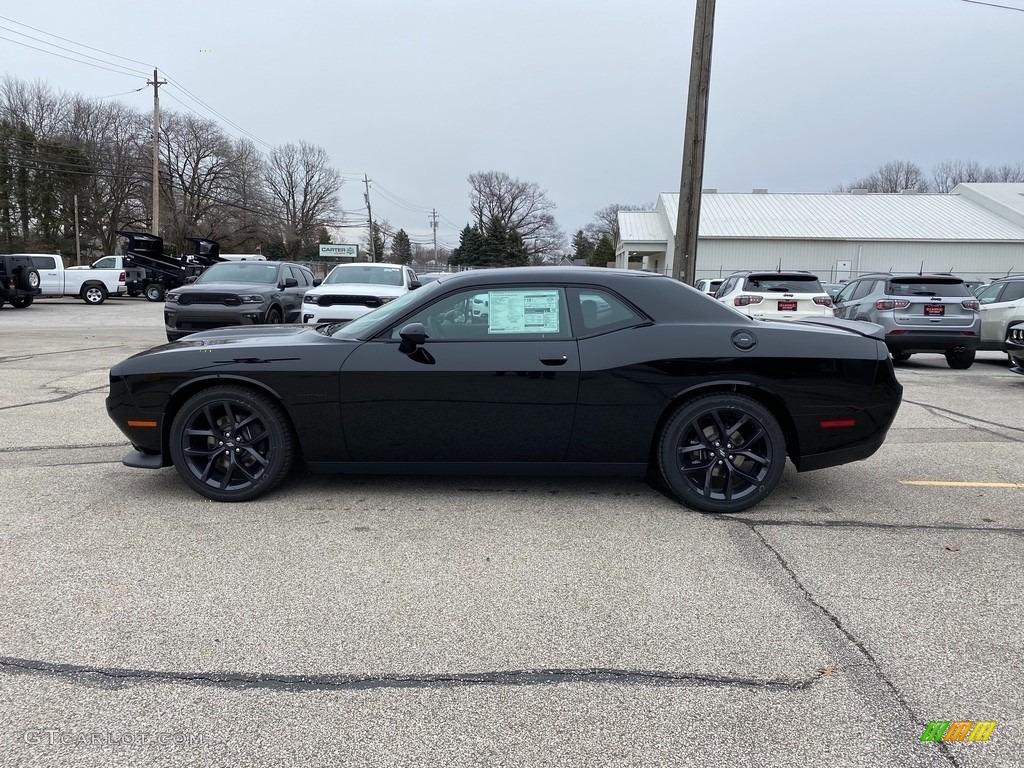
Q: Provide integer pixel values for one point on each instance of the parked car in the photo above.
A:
(429, 277)
(351, 290)
(666, 378)
(19, 281)
(1000, 303)
(1013, 345)
(92, 286)
(776, 295)
(709, 286)
(238, 293)
(920, 313)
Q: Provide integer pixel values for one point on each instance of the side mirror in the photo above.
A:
(290, 282)
(415, 284)
(317, 281)
(413, 335)
(190, 280)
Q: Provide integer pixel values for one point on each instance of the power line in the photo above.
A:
(80, 45)
(61, 47)
(77, 61)
(995, 5)
(195, 98)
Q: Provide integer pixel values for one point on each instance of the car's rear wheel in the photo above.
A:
(21, 301)
(901, 357)
(94, 294)
(722, 453)
(231, 444)
(154, 292)
(960, 358)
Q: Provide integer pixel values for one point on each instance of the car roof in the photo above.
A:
(607, 275)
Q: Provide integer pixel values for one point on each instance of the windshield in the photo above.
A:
(240, 272)
(365, 274)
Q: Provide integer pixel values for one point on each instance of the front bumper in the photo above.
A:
(142, 428)
(181, 321)
(1013, 345)
(337, 313)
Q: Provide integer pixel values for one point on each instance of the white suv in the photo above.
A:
(352, 290)
(776, 295)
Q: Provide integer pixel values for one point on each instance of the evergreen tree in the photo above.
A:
(583, 248)
(603, 253)
(401, 248)
(469, 252)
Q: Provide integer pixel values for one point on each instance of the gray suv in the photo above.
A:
(920, 313)
(238, 293)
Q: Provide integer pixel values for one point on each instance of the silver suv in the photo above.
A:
(920, 313)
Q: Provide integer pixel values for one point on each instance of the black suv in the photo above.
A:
(19, 281)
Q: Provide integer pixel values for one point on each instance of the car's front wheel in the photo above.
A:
(960, 358)
(274, 316)
(154, 292)
(722, 453)
(231, 444)
(20, 302)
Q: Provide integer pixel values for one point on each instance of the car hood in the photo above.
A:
(226, 288)
(357, 289)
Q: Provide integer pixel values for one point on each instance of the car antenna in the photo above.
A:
(779, 268)
(921, 270)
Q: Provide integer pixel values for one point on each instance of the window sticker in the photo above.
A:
(522, 312)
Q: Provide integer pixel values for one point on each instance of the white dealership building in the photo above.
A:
(975, 231)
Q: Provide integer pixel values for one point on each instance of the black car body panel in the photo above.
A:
(591, 402)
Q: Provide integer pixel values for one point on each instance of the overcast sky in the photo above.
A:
(586, 98)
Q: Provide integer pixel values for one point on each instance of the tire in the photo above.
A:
(274, 316)
(712, 479)
(960, 358)
(20, 302)
(901, 357)
(154, 292)
(231, 463)
(29, 279)
(94, 294)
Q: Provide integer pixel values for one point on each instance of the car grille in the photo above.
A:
(359, 301)
(226, 299)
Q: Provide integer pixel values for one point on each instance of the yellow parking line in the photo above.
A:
(949, 484)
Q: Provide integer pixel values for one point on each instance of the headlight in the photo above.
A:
(253, 299)
(307, 299)
(171, 298)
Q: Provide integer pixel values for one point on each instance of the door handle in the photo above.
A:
(554, 360)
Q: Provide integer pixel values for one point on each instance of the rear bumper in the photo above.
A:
(930, 341)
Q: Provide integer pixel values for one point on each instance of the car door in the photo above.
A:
(292, 295)
(502, 390)
(49, 275)
(999, 303)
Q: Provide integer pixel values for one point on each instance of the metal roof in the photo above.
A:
(842, 217)
(643, 226)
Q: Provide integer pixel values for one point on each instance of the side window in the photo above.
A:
(725, 288)
(107, 263)
(847, 293)
(496, 314)
(44, 262)
(865, 288)
(991, 294)
(409, 277)
(600, 312)
(296, 273)
(1014, 291)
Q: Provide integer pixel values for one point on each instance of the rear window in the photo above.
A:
(927, 286)
(783, 284)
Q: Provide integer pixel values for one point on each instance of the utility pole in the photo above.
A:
(156, 83)
(684, 261)
(433, 225)
(78, 241)
(366, 196)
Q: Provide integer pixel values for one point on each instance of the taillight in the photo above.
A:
(971, 304)
(823, 301)
(884, 304)
(10, 283)
(743, 301)
(121, 278)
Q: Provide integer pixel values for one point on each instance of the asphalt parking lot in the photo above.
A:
(497, 621)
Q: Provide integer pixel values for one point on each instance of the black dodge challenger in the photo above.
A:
(570, 371)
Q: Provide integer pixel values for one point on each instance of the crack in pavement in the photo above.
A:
(63, 397)
(64, 447)
(18, 358)
(945, 413)
(299, 683)
(859, 645)
(942, 527)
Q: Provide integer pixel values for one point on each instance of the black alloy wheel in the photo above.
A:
(722, 453)
(901, 357)
(274, 316)
(231, 444)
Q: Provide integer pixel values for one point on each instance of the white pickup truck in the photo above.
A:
(90, 284)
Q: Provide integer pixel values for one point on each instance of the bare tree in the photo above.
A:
(304, 191)
(947, 174)
(606, 221)
(894, 176)
(1007, 172)
(519, 205)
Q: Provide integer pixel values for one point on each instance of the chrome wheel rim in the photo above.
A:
(724, 454)
(93, 294)
(227, 446)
